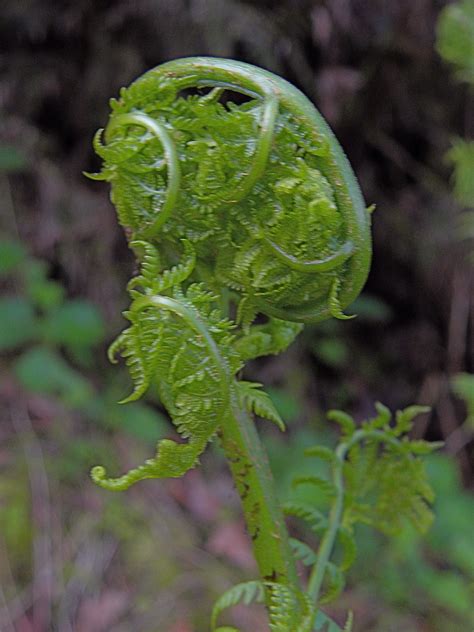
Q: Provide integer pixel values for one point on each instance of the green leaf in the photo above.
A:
(12, 253)
(75, 324)
(18, 324)
(43, 292)
(46, 294)
(41, 370)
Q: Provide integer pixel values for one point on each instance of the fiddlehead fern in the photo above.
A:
(262, 189)
(238, 211)
(254, 202)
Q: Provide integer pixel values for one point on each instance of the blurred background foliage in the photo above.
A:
(394, 79)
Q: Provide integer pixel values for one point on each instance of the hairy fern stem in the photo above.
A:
(253, 479)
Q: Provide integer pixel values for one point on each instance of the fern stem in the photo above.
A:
(248, 462)
(335, 516)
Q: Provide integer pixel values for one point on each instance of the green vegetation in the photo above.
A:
(272, 226)
(158, 556)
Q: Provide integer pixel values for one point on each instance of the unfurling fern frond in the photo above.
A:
(241, 213)
(386, 481)
(261, 188)
(375, 476)
(193, 383)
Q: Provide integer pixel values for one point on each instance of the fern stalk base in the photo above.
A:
(254, 482)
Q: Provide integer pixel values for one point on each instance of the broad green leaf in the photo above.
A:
(42, 370)
(18, 323)
(46, 294)
(75, 324)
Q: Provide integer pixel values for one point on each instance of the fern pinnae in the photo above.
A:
(334, 580)
(349, 548)
(178, 273)
(116, 346)
(150, 266)
(321, 484)
(349, 622)
(247, 593)
(303, 552)
(315, 519)
(259, 402)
